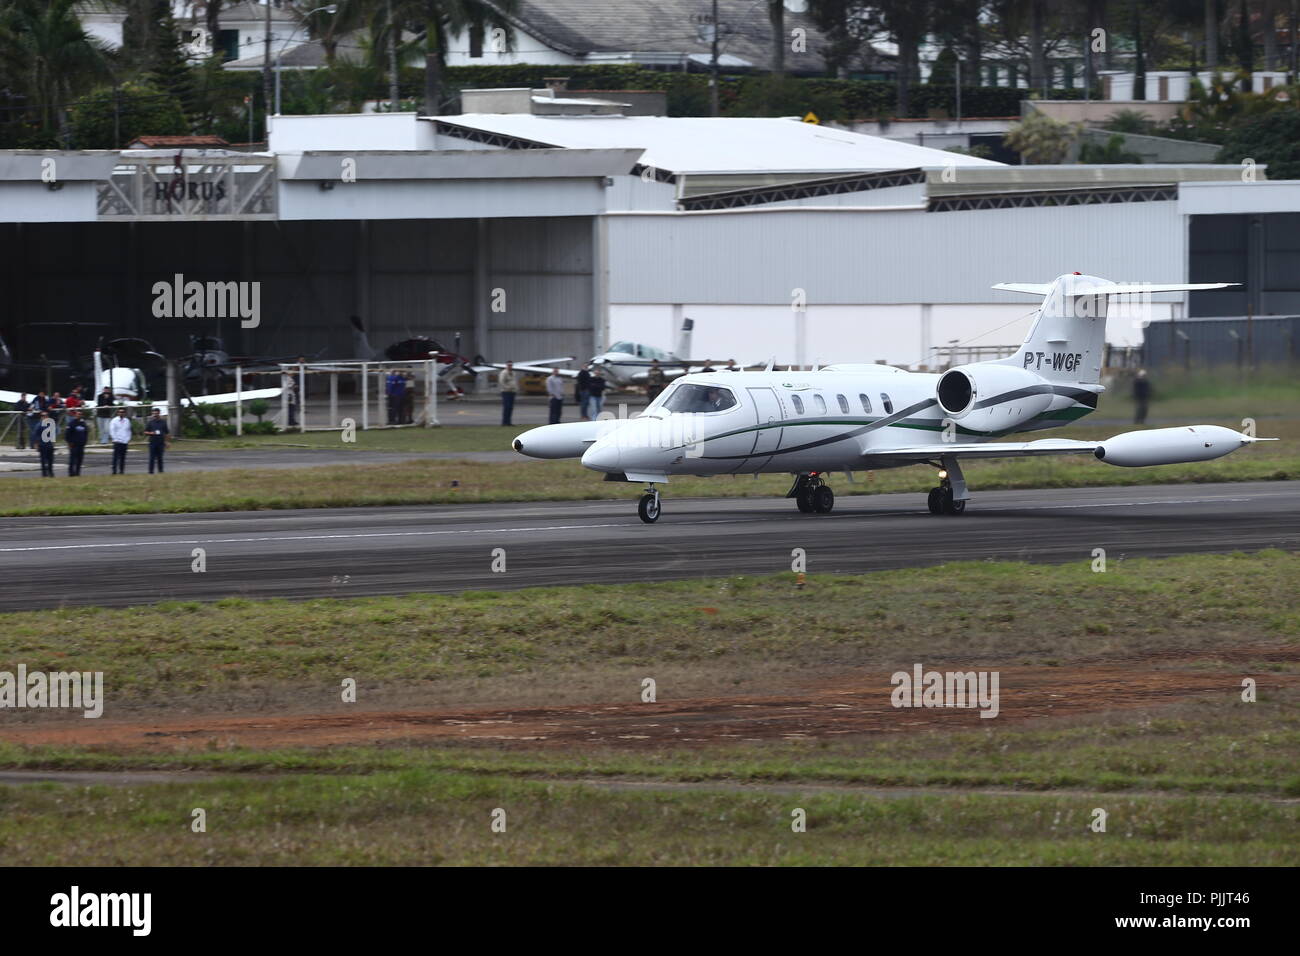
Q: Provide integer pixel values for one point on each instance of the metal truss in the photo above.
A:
(803, 189)
(1102, 195)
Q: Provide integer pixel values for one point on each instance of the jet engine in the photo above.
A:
(992, 397)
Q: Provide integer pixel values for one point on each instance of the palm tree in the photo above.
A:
(776, 14)
(442, 18)
(48, 56)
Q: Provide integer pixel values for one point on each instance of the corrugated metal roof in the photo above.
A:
(691, 144)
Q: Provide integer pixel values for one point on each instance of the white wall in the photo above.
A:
(524, 49)
(292, 134)
(841, 333)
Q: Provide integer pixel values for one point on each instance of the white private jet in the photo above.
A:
(849, 417)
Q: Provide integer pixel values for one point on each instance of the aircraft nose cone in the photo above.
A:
(602, 457)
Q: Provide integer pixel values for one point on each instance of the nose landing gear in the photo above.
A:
(648, 507)
(812, 495)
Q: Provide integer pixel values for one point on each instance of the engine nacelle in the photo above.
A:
(1170, 446)
(565, 440)
(992, 397)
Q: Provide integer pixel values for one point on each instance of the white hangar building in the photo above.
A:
(537, 234)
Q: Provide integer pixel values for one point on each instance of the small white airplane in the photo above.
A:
(849, 417)
(629, 363)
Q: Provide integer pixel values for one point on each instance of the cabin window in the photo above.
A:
(689, 397)
(889, 406)
(866, 403)
(798, 403)
(820, 403)
(844, 404)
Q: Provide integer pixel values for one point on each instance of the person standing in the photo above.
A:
(119, 430)
(103, 413)
(156, 428)
(21, 425)
(595, 394)
(38, 404)
(408, 398)
(508, 382)
(581, 389)
(655, 380)
(555, 389)
(75, 434)
(1141, 396)
(44, 439)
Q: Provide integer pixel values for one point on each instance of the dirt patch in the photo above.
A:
(854, 703)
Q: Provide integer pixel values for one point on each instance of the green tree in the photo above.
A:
(47, 57)
(109, 118)
(1271, 138)
(1040, 139)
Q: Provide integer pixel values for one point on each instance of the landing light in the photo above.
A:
(943, 472)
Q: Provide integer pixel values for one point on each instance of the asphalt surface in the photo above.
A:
(134, 559)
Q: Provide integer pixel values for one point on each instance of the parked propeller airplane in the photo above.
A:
(848, 417)
(629, 363)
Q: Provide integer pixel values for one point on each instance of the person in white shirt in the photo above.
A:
(508, 382)
(555, 389)
(119, 432)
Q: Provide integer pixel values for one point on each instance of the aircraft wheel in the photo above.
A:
(823, 500)
(648, 508)
(951, 507)
(935, 501)
(805, 502)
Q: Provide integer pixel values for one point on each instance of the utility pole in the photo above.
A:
(394, 90)
(266, 69)
(713, 65)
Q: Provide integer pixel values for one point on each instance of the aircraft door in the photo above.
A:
(767, 410)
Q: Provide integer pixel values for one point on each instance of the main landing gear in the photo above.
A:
(648, 506)
(812, 494)
(949, 498)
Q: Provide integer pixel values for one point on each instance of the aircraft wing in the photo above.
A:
(1009, 449)
(1114, 288)
(544, 370)
(226, 398)
(537, 365)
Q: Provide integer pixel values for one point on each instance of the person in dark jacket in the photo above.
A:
(22, 428)
(156, 428)
(581, 384)
(45, 435)
(37, 405)
(1141, 397)
(595, 394)
(75, 433)
(103, 412)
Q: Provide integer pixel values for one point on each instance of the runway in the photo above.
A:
(133, 559)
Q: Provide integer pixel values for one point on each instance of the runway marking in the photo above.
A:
(562, 527)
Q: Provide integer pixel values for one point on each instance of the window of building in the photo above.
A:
(475, 41)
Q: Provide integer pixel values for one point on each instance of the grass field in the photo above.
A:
(432, 817)
(445, 482)
(1205, 780)
(725, 633)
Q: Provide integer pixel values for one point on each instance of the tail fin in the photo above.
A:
(360, 341)
(1066, 341)
(683, 350)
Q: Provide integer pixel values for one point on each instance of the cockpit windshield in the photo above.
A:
(623, 348)
(689, 397)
